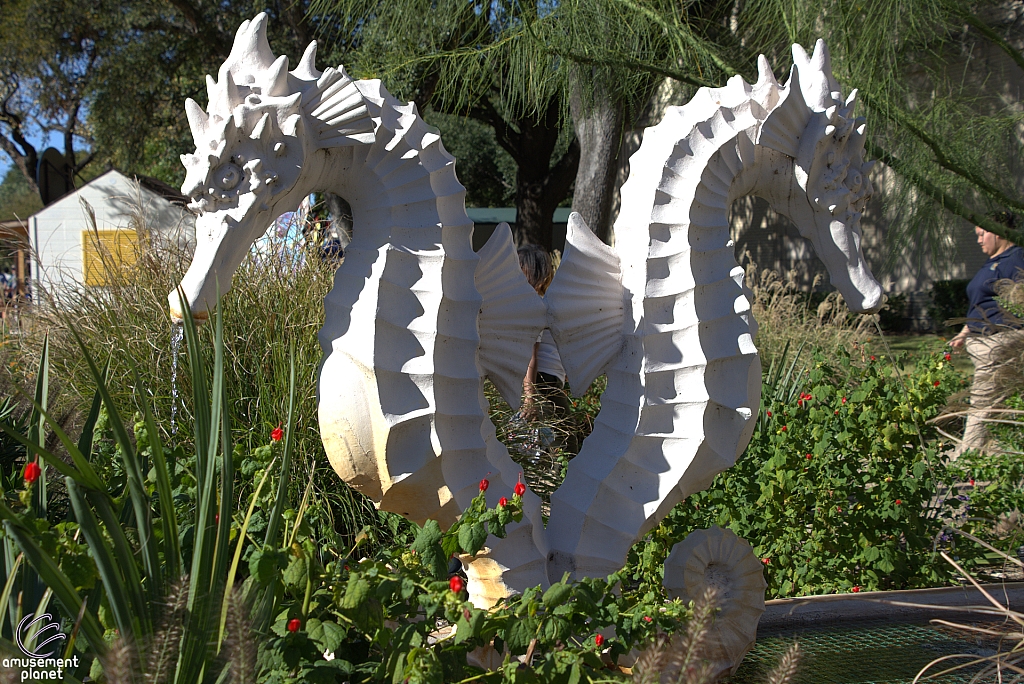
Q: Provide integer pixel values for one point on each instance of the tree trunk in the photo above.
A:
(541, 185)
(598, 126)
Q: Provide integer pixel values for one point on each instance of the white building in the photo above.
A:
(71, 247)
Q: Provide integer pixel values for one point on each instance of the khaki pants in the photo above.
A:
(988, 352)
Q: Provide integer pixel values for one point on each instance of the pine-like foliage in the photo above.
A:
(939, 117)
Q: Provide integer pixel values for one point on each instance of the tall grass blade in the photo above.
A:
(203, 589)
(200, 392)
(136, 483)
(265, 604)
(274, 528)
(37, 433)
(227, 472)
(50, 573)
(165, 495)
(229, 585)
(125, 598)
(86, 438)
(7, 593)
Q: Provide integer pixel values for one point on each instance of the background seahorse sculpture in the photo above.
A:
(416, 319)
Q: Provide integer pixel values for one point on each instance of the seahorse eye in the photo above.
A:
(227, 176)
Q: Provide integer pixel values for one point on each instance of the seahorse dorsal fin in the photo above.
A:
(585, 306)
(511, 315)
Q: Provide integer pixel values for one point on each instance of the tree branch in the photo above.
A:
(903, 121)
(944, 199)
(989, 33)
(506, 136)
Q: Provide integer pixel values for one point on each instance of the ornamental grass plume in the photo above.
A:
(785, 317)
(787, 666)
(163, 652)
(682, 659)
(120, 664)
(239, 643)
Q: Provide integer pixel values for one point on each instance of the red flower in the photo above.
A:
(839, 509)
(972, 481)
(899, 501)
(519, 489)
(456, 584)
(855, 589)
(947, 357)
(647, 618)
(599, 640)
(936, 383)
(294, 625)
(800, 402)
(32, 472)
(766, 561)
(844, 400)
(484, 484)
(769, 414)
(502, 502)
(784, 428)
(837, 412)
(277, 434)
(873, 358)
(808, 457)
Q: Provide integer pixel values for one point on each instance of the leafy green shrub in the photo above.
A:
(949, 300)
(378, 620)
(151, 567)
(838, 489)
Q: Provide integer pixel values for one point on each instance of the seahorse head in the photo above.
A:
(816, 127)
(249, 155)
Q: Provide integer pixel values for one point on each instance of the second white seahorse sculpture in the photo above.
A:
(416, 319)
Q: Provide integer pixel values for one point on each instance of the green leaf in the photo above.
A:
(264, 565)
(472, 537)
(428, 545)
(327, 634)
(356, 593)
(296, 573)
(556, 595)
(518, 637)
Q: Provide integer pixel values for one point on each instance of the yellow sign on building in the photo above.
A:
(104, 251)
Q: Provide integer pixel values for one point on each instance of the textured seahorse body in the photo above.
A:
(684, 387)
(416, 320)
(402, 412)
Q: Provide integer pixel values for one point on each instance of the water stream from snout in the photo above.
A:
(177, 334)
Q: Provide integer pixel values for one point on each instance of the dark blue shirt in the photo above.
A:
(983, 312)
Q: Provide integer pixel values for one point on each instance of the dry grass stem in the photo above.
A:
(238, 642)
(786, 668)
(119, 664)
(681, 660)
(163, 655)
(784, 316)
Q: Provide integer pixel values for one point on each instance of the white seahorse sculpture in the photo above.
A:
(416, 319)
